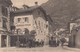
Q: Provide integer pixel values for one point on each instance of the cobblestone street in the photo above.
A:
(41, 49)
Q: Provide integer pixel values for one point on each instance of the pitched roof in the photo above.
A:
(29, 10)
(26, 10)
(8, 1)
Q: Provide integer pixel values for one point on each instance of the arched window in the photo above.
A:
(26, 31)
(18, 31)
(33, 32)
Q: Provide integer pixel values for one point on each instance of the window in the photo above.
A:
(36, 25)
(35, 22)
(4, 24)
(46, 26)
(39, 23)
(0, 20)
(26, 31)
(18, 31)
(12, 27)
(26, 19)
(4, 11)
(19, 19)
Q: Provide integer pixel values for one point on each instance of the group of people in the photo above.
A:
(30, 43)
(63, 40)
(54, 43)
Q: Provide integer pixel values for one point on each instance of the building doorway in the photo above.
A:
(13, 41)
(3, 40)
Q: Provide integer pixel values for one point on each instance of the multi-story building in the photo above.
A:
(18, 22)
(74, 40)
(32, 18)
(4, 22)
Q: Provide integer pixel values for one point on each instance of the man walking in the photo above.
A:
(63, 40)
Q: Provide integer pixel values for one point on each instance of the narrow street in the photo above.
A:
(41, 49)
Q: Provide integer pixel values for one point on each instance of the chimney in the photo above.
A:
(36, 3)
(15, 8)
(25, 6)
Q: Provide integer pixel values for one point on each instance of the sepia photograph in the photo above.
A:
(39, 25)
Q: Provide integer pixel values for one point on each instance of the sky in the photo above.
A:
(19, 3)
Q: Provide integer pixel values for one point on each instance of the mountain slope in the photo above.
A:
(62, 11)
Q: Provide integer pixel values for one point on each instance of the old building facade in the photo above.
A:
(17, 23)
(75, 33)
(4, 22)
(31, 19)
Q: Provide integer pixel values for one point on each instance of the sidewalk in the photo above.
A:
(42, 49)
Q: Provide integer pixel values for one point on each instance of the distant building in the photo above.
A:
(75, 33)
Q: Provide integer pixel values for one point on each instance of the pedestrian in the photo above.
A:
(42, 43)
(18, 43)
(63, 40)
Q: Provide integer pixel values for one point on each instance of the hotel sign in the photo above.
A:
(23, 25)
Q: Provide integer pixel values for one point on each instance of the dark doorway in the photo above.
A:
(3, 40)
(13, 41)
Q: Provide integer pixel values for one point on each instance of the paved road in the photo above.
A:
(40, 49)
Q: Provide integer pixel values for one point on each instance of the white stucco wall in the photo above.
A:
(42, 27)
(22, 24)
